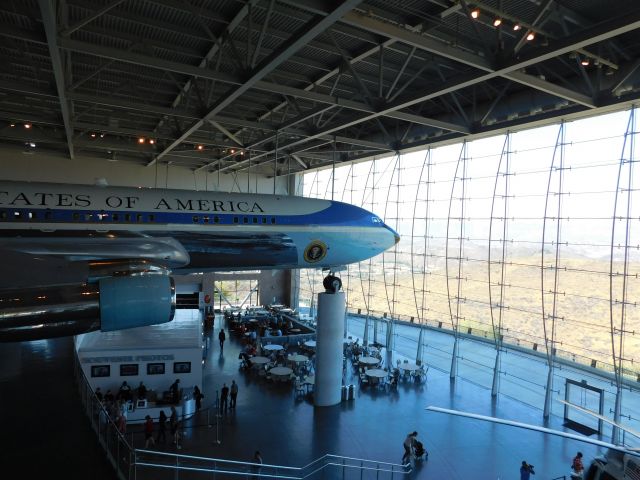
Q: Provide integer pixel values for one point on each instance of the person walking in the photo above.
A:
(148, 432)
(173, 425)
(234, 394)
(408, 446)
(198, 396)
(577, 466)
(222, 337)
(526, 471)
(257, 459)
(162, 427)
(224, 394)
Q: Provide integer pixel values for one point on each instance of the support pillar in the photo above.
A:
(454, 359)
(328, 383)
(496, 374)
(365, 336)
(548, 392)
(420, 346)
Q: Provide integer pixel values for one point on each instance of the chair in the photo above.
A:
(299, 389)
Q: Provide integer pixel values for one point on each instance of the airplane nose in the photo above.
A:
(397, 237)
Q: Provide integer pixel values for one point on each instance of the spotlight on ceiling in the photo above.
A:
(12, 125)
(497, 22)
(200, 147)
(27, 125)
(517, 27)
(232, 151)
(530, 36)
(141, 140)
(92, 135)
(152, 141)
(475, 13)
(585, 62)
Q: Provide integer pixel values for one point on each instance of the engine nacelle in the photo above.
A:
(112, 304)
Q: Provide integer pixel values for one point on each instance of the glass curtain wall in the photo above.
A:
(529, 238)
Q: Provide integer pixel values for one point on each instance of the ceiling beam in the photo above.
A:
(47, 8)
(215, 48)
(295, 43)
(68, 31)
(462, 56)
(603, 31)
(145, 60)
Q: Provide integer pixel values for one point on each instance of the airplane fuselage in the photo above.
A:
(186, 230)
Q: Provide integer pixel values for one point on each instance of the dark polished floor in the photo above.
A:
(45, 431)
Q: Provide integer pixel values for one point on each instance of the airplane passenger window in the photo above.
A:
(235, 219)
(3, 215)
(139, 217)
(273, 220)
(246, 220)
(195, 219)
(87, 217)
(76, 216)
(264, 219)
(127, 217)
(152, 218)
(48, 215)
(31, 215)
(216, 219)
(205, 219)
(255, 219)
(115, 217)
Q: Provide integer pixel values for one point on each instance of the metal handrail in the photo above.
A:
(296, 473)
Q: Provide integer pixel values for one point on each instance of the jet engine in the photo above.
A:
(111, 303)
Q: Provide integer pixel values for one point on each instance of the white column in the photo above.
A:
(329, 349)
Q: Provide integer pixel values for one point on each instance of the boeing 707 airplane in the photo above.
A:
(79, 258)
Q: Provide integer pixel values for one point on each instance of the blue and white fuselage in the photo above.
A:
(81, 258)
(186, 230)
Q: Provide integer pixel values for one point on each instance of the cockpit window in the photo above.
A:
(376, 220)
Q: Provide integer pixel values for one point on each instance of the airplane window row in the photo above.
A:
(126, 217)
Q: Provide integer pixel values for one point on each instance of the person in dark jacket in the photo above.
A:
(222, 337)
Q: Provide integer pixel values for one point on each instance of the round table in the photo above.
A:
(408, 367)
(272, 347)
(310, 343)
(369, 361)
(298, 358)
(281, 371)
(376, 372)
(259, 360)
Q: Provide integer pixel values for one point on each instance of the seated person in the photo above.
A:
(142, 391)
(125, 391)
(99, 394)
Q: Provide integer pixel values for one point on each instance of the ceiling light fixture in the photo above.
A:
(475, 13)
(200, 147)
(516, 27)
(530, 36)
(497, 22)
(27, 125)
(93, 135)
(585, 62)
(141, 140)
(12, 125)
(152, 141)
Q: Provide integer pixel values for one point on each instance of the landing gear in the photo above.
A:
(331, 283)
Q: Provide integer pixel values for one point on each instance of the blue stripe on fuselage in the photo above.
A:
(339, 214)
